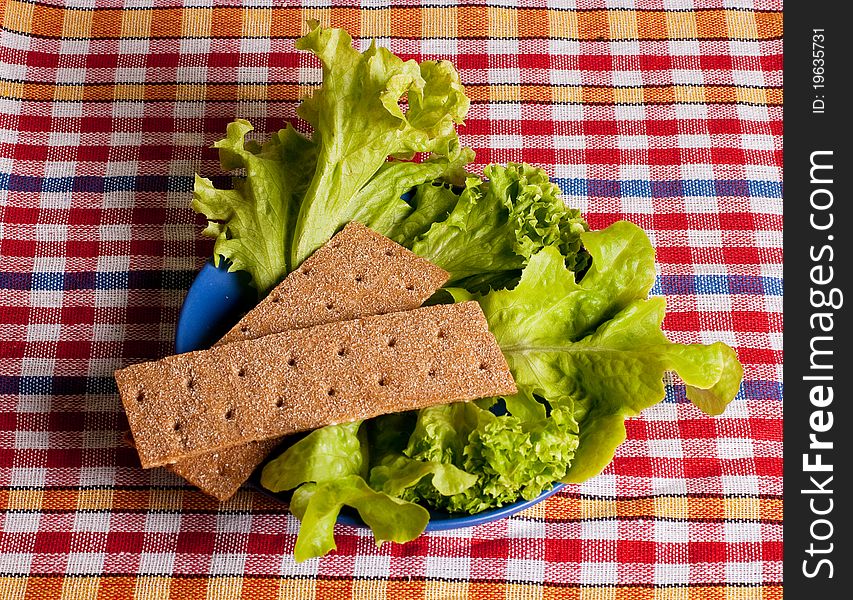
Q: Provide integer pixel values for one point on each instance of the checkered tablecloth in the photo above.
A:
(664, 112)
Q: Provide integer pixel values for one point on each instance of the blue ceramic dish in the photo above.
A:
(215, 301)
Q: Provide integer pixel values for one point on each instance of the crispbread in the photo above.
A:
(221, 473)
(297, 380)
(357, 273)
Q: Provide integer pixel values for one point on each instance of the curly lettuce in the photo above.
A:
(497, 224)
(253, 222)
(359, 122)
(569, 307)
(294, 193)
(511, 458)
(596, 345)
(586, 353)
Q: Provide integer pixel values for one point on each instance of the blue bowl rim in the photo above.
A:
(187, 339)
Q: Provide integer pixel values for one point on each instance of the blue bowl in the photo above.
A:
(215, 301)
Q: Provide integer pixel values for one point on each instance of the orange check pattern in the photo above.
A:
(664, 112)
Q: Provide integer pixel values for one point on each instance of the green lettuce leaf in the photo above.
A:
(327, 469)
(252, 223)
(496, 225)
(394, 473)
(358, 123)
(510, 458)
(296, 193)
(318, 505)
(431, 202)
(596, 345)
(570, 308)
(325, 454)
(398, 474)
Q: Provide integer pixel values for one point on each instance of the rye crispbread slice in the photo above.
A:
(357, 273)
(283, 383)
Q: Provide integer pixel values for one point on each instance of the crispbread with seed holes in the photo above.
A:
(355, 274)
(283, 383)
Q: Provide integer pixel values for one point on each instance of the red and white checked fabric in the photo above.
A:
(664, 112)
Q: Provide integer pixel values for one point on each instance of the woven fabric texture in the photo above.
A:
(667, 113)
